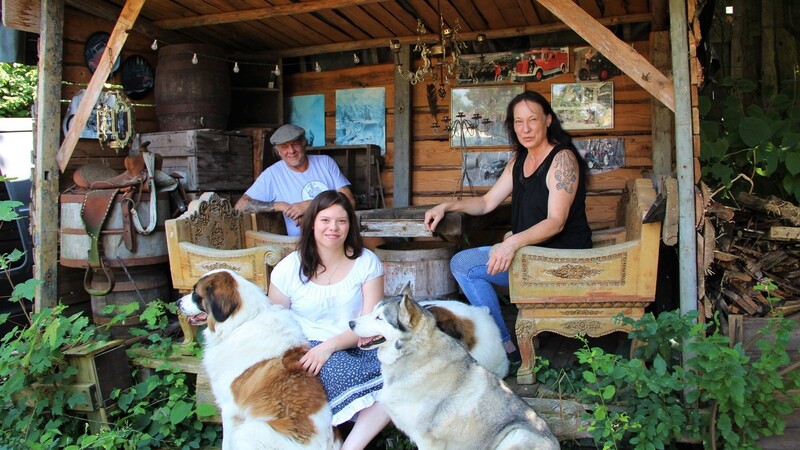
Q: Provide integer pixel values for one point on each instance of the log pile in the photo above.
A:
(758, 240)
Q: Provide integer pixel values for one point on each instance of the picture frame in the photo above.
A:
(93, 51)
(361, 117)
(484, 168)
(603, 154)
(308, 111)
(490, 102)
(137, 77)
(584, 106)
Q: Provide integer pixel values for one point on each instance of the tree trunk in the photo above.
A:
(769, 76)
(785, 44)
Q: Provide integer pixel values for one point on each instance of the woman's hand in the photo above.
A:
(500, 257)
(434, 215)
(315, 358)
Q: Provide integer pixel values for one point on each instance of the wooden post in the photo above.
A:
(663, 126)
(118, 37)
(402, 135)
(44, 201)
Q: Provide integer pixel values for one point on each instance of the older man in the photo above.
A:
(290, 184)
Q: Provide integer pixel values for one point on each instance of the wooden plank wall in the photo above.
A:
(436, 167)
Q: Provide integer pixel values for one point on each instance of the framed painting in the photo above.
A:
(484, 168)
(584, 106)
(308, 111)
(602, 155)
(361, 117)
(489, 102)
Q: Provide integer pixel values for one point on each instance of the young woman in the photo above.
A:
(547, 183)
(330, 280)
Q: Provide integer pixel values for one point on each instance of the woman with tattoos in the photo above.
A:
(289, 185)
(547, 182)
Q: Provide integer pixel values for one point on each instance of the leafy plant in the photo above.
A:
(641, 402)
(751, 147)
(17, 89)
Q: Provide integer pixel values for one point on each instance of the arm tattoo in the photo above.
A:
(566, 173)
(257, 206)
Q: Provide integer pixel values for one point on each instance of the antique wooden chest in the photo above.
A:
(208, 160)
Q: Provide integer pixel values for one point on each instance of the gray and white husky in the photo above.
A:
(437, 394)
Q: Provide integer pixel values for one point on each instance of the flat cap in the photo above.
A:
(286, 133)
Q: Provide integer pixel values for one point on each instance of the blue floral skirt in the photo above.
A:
(352, 380)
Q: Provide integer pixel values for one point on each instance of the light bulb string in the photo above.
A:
(236, 62)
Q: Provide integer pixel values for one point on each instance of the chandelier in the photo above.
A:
(441, 61)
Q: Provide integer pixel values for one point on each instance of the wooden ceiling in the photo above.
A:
(308, 27)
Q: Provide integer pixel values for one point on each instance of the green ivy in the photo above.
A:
(751, 147)
(157, 412)
(17, 89)
(718, 394)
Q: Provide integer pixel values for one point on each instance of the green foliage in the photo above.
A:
(751, 147)
(158, 411)
(17, 89)
(641, 402)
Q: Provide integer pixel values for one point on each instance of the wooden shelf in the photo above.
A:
(254, 89)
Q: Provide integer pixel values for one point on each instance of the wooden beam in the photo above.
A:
(616, 50)
(110, 13)
(47, 132)
(118, 37)
(259, 13)
(431, 37)
(21, 15)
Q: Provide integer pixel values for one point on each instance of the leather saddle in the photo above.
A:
(100, 186)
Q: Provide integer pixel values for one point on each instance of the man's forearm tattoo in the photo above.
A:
(257, 206)
(566, 172)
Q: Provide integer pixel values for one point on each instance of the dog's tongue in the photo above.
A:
(367, 343)
(198, 319)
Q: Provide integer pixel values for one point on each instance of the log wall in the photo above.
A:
(436, 167)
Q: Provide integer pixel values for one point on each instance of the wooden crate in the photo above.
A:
(208, 160)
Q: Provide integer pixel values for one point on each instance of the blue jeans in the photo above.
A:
(469, 270)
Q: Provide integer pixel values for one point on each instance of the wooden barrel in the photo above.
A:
(190, 96)
(424, 264)
(149, 249)
(140, 285)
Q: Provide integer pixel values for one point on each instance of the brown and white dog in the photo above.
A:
(251, 355)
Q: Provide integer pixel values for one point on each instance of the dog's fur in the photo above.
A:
(474, 327)
(437, 394)
(251, 355)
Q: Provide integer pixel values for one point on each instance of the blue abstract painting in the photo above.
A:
(308, 111)
(361, 117)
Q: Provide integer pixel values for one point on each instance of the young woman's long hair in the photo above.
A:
(310, 262)
(555, 133)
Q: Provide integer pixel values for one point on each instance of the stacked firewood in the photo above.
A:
(757, 241)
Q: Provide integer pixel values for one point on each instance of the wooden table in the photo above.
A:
(407, 222)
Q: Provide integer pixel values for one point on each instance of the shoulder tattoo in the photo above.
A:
(566, 172)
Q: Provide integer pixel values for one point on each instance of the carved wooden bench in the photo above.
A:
(210, 235)
(578, 292)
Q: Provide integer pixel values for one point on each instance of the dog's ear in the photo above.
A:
(406, 291)
(222, 295)
(412, 310)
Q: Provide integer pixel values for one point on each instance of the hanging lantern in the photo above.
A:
(114, 120)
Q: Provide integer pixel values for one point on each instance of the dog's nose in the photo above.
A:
(352, 324)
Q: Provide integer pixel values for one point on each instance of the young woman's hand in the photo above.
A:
(315, 358)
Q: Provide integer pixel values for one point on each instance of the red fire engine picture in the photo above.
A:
(537, 63)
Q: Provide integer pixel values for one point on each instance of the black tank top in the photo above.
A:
(529, 204)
